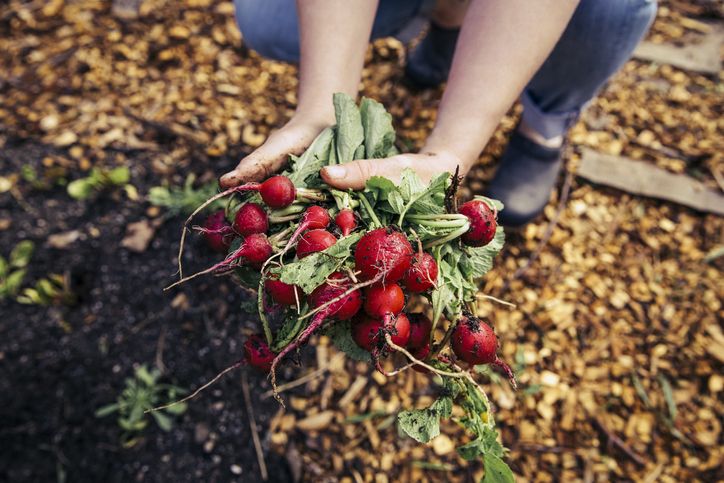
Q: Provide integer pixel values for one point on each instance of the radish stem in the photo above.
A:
(447, 238)
(370, 211)
(262, 315)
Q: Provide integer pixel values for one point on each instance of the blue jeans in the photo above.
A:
(597, 42)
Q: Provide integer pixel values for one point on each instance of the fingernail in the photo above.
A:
(336, 172)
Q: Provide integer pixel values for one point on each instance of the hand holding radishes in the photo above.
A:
(345, 263)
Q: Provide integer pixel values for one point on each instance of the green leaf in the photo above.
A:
(480, 260)
(120, 175)
(132, 425)
(176, 409)
(380, 187)
(21, 254)
(80, 189)
(11, 285)
(350, 133)
(3, 267)
(104, 411)
(249, 276)
(397, 203)
(532, 389)
(424, 424)
(496, 471)
(46, 290)
(144, 376)
(473, 395)
(431, 200)
(379, 135)
(28, 173)
(486, 443)
(341, 337)
(251, 307)
(669, 396)
(305, 169)
(164, 421)
(290, 329)
(311, 272)
(31, 296)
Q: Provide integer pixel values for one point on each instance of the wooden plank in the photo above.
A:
(704, 57)
(641, 178)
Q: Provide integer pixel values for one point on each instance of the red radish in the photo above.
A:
(283, 293)
(257, 353)
(344, 308)
(422, 274)
(256, 249)
(277, 192)
(251, 218)
(474, 341)
(314, 241)
(368, 333)
(420, 355)
(336, 285)
(383, 252)
(384, 301)
(217, 232)
(346, 221)
(482, 223)
(315, 218)
(420, 327)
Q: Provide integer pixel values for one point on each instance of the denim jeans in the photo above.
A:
(598, 41)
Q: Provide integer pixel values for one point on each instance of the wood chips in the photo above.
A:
(617, 335)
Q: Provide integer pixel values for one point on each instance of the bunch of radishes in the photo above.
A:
(371, 289)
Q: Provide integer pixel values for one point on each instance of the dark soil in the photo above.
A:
(59, 364)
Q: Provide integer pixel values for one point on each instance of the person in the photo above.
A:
(553, 54)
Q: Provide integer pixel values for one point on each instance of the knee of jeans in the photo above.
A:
(648, 8)
(263, 31)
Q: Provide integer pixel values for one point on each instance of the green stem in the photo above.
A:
(289, 210)
(368, 207)
(450, 216)
(436, 308)
(447, 238)
(283, 219)
(277, 238)
(311, 194)
(436, 349)
(227, 210)
(262, 315)
(441, 224)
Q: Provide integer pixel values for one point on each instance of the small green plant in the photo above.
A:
(52, 290)
(143, 392)
(83, 188)
(12, 271)
(55, 175)
(184, 200)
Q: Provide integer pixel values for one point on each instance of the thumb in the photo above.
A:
(355, 174)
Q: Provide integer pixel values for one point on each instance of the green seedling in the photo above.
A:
(12, 270)
(143, 392)
(99, 179)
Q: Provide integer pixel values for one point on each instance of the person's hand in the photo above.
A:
(272, 156)
(426, 164)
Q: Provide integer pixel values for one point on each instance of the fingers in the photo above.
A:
(354, 175)
(273, 155)
(254, 168)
